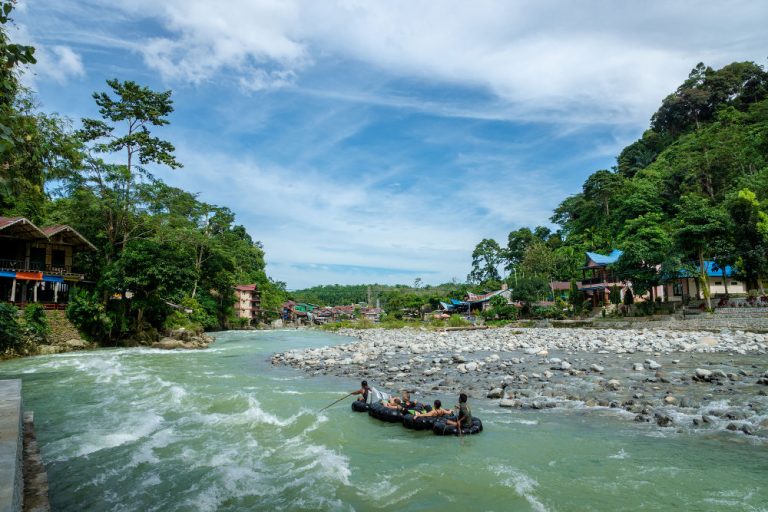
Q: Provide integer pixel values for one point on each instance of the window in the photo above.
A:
(734, 283)
(57, 258)
(718, 283)
(677, 289)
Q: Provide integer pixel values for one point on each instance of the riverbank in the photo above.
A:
(666, 378)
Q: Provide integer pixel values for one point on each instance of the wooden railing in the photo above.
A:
(36, 266)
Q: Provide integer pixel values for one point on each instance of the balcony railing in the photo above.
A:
(37, 266)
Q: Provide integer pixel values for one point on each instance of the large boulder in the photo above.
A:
(76, 344)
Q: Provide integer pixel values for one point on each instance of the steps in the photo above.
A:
(62, 330)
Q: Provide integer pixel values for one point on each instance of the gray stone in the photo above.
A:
(638, 367)
(509, 403)
(653, 365)
(664, 419)
(613, 385)
(597, 368)
(495, 393)
(76, 343)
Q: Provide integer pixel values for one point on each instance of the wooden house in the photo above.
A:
(38, 265)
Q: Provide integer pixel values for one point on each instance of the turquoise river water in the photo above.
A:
(221, 429)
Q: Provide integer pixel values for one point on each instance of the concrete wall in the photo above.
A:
(11, 446)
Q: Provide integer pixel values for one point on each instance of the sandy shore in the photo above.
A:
(666, 378)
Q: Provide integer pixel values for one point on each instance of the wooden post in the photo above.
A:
(13, 290)
(55, 293)
(34, 291)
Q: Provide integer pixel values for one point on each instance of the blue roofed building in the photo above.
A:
(598, 277)
(722, 281)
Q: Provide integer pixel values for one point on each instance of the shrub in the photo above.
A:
(615, 295)
(35, 321)
(457, 321)
(10, 333)
(89, 315)
(629, 298)
(198, 318)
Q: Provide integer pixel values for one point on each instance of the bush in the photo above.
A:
(10, 333)
(36, 322)
(457, 321)
(629, 298)
(89, 315)
(197, 319)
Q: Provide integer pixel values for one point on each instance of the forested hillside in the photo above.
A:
(693, 187)
(158, 246)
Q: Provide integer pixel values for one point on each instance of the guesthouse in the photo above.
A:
(37, 265)
(598, 277)
(247, 301)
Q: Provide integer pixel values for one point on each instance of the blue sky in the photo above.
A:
(367, 141)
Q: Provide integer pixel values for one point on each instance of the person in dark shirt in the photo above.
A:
(464, 419)
(363, 391)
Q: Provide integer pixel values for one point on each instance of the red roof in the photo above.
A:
(246, 287)
(7, 221)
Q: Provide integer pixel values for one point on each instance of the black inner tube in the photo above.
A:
(441, 428)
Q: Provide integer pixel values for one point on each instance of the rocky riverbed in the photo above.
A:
(668, 379)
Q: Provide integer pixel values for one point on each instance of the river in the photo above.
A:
(221, 429)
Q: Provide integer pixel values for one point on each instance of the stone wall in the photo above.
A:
(11, 446)
(706, 322)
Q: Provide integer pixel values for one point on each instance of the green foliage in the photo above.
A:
(615, 295)
(198, 318)
(486, 259)
(458, 321)
(500, 310)
(10, 331)
(528, 291)
(89, 314)
(35, 321)
(629, 297)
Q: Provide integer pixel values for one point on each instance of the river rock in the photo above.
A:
(565, 365)
(652, 365)
(597, 368)
(168, 343)
(702, 375)
(664, 419)
(509, 403)
(471, 366)
(613, 385)
(638, 367)
(76, 343)
(708, 341)
(495, 393)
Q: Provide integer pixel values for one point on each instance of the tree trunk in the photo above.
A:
(704, 280)
(725, 281)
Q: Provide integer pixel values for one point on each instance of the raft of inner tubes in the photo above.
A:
(436, 424)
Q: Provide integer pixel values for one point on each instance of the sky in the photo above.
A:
(379, 142)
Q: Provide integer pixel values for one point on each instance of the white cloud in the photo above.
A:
(304, 216)
(54, 62)
(606, 61)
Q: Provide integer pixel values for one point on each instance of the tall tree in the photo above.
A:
(485, 262)
(646, 245)
(698, 228)
(127, 118)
